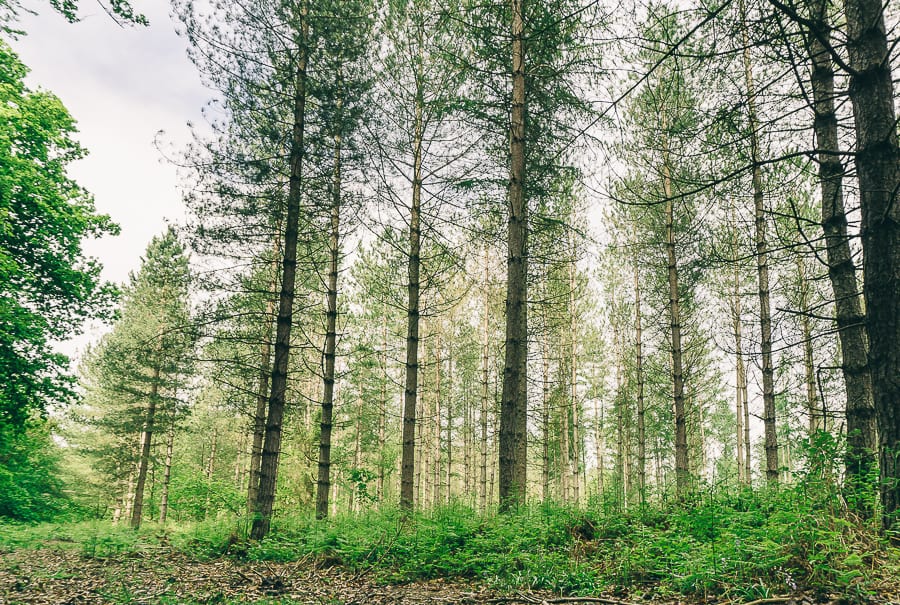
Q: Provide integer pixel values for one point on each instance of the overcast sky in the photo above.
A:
(122, 85)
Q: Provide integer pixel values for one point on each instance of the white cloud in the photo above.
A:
(122, 85)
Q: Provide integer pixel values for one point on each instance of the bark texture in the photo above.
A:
(410, 393)
(514, 400)
(639, 371)
(878, 170)
(272, 443)
(137, 507)
(323, 482)
(860, 408)
(682, 471)
(762, 265)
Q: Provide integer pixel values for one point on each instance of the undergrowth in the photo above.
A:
(746, 545)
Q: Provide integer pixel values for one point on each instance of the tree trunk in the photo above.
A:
(682, 473)
(449, 439)
(545, 422)
(484, 383)
(878, 168)
(860, 408)
(564, 433)
(259, 417)
(514, 400)
(620, 473)
(410, 394)
(323, 484)
(167, 473)
(739, 379)
(357, 453)
(272, 442)
(573, 386)
(598, 444)
(144, 460)
(210, 467)
(639, 371)
(422, 459)
(436, 469)
(816, 416)
(382, 413)
(762, 266)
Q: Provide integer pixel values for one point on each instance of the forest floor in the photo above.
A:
(164, 576)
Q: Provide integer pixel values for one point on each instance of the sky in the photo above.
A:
(123, 86)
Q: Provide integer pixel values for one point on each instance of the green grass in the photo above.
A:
(743, 545)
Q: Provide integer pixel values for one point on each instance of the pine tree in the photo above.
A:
(139, 370)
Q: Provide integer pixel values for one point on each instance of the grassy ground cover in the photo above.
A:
(739, 547)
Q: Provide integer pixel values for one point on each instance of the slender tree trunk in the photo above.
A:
(573, 386)
(421, 461)
(743, 467)
(167, 473)
(598, 444)
(382, 412)
(639, 371)
(144, 460)
(514, 400)
(449, 439)
(762, 266)
(545, 422)
(485, 343)
(438, 401)
(469, 440)
(564, 447)
(238, 480)
(620, 473)
(860, 409)
(272, 442)
(815, 416)
(878, 168)
(262, 392)
(746, 400)
(210, 467)
(682, 472)
(410, 393)
(129, 486)
(325, 426)
(357, 452)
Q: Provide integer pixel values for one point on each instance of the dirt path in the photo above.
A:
(162, 576)
(62, 577)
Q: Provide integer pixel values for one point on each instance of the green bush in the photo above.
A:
(30, 488)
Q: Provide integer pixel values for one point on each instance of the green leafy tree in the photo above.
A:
(31, 489)
(48, 287)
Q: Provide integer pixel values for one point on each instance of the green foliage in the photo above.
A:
(91, 538)
(743, 545)
(740, 546)
(30, 486)
(47, 285)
